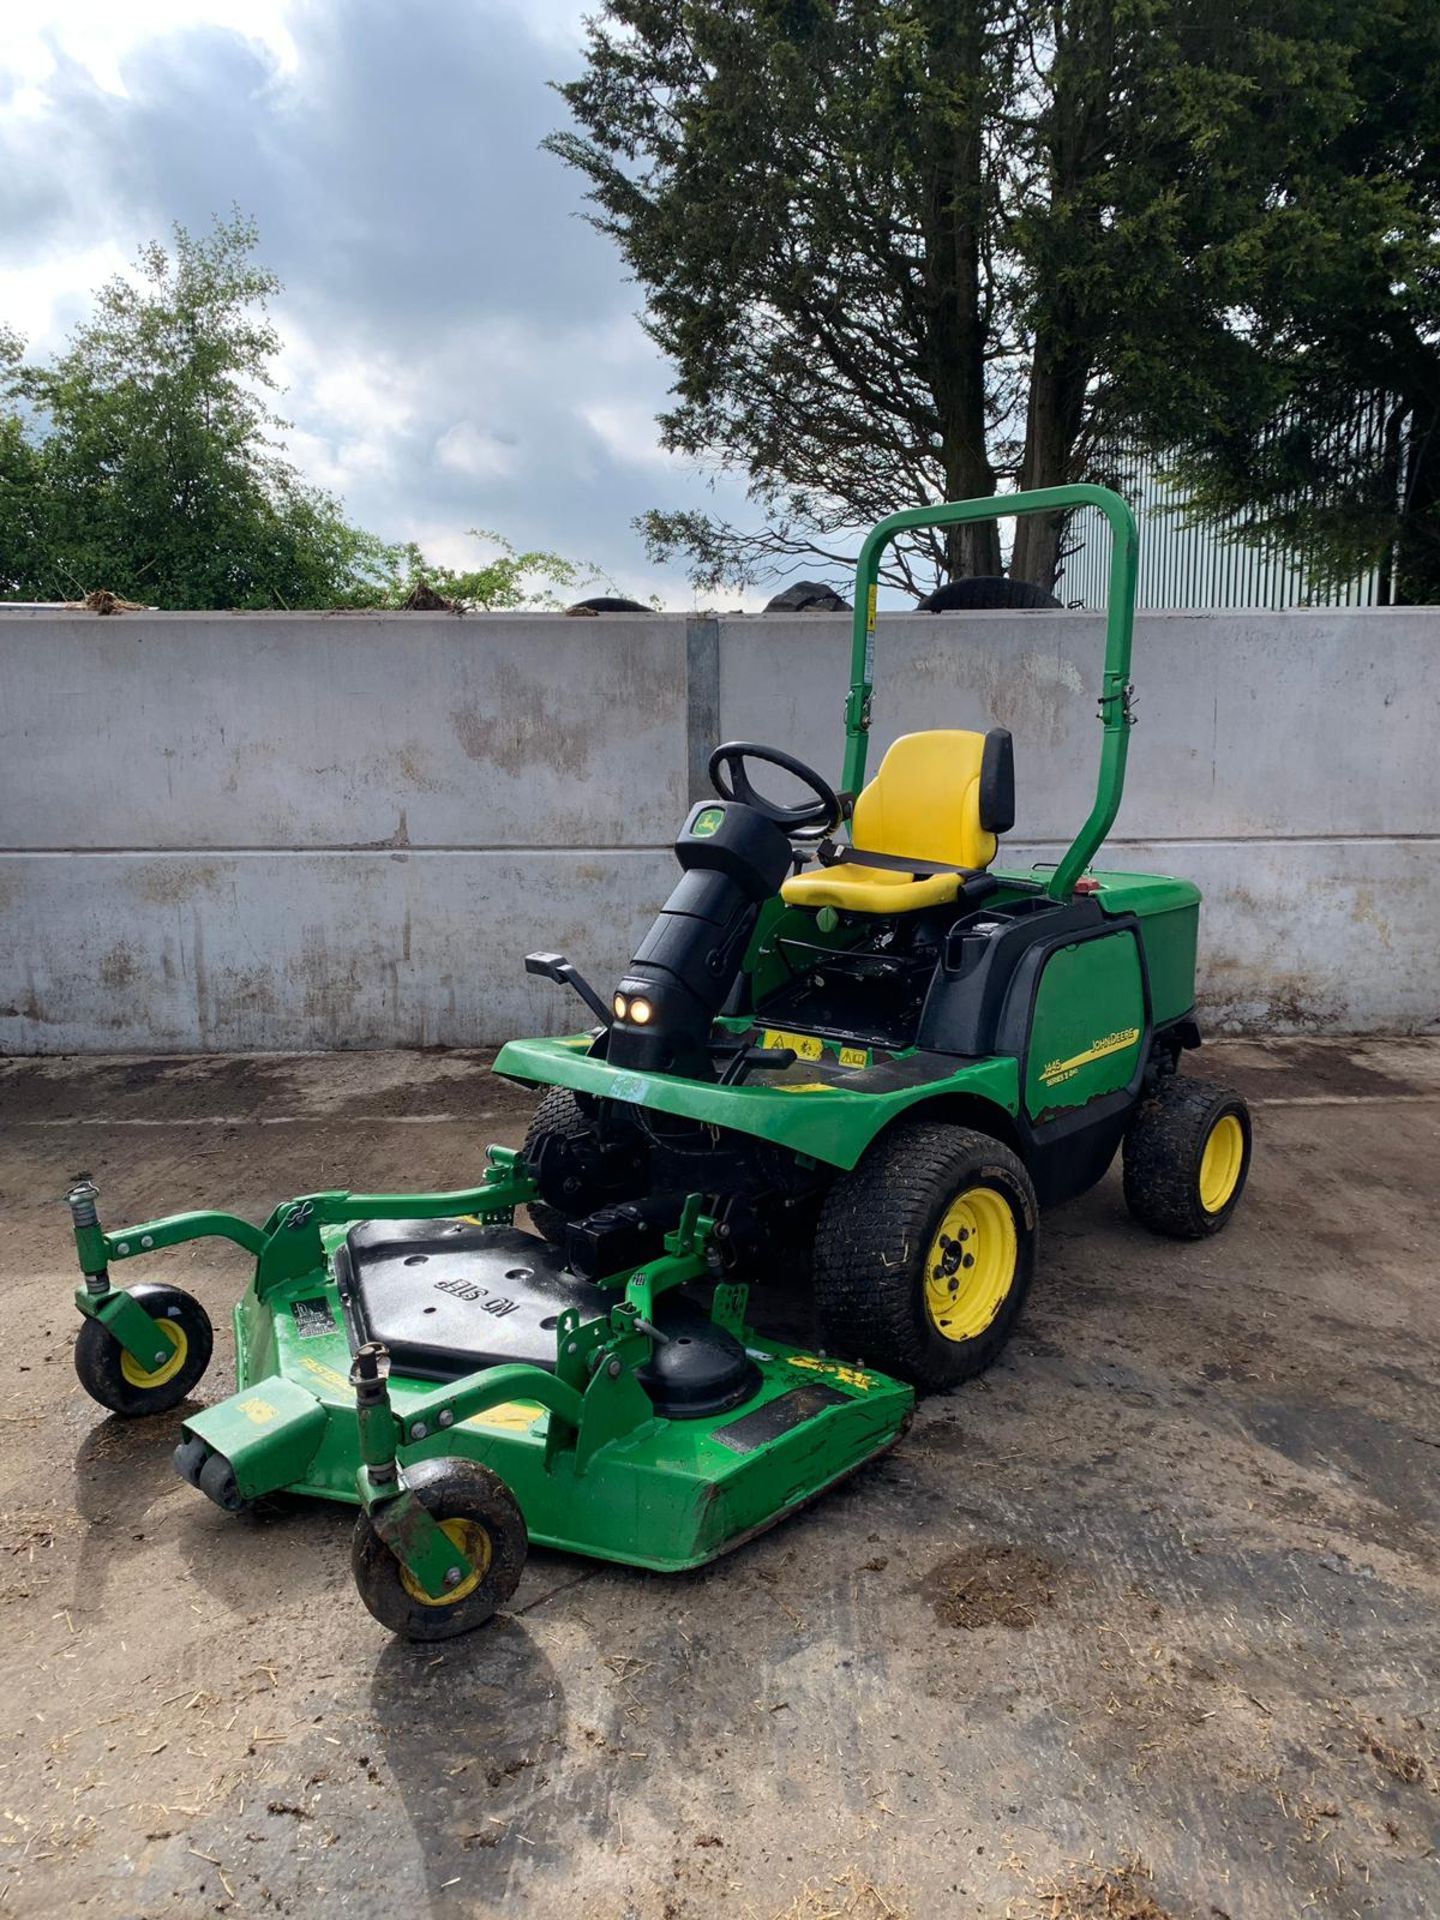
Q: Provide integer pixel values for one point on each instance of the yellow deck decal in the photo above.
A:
(833, 1370)
(1059, 1070)
(515, 1416)
(260, 1411)
(327, 1374)
(805, 1044)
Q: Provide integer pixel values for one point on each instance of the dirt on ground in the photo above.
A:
(1145, 1623)
(990, 1586)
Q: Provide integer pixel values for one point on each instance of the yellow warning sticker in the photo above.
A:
(260, 1411)
(806, 1046)
(854, 1056)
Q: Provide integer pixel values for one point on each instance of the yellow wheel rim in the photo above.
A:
(136, 1376)
(474, 1542)
(1221, 1162)
(970, 1267)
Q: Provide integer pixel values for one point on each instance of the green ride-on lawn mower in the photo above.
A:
(870, 1059)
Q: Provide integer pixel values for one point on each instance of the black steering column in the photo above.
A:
(735, 853)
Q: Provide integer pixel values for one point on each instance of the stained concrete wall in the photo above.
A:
(246, 831)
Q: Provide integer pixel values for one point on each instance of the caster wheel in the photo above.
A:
(478, 1512)
(113, 1377)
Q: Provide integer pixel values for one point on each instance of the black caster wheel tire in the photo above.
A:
(1187, 1157)
(111, 1376)
(556, 1113)
(478, 1511)
(924, 1254)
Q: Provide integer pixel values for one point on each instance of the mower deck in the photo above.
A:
(672, 1494)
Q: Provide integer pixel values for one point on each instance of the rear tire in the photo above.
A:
(924, 1253)
(556, 1113)
(1187, 1158)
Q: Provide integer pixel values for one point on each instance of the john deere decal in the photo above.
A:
(1059, 1070)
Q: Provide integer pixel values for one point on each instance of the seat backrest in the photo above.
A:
(941, 796)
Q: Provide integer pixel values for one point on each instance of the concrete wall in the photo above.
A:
(243, 831)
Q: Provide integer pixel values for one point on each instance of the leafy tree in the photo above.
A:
(20, 484)
(902, 250)
(805, 192)
(877, 238)
(1293, 357)
(156, 473)
(147, 460)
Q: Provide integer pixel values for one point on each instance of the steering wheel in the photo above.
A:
(730, 780)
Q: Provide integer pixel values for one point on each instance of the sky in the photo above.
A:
(461, 348)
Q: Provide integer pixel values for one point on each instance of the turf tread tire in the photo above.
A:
(556, 1113)
(1163, 1147)
(874, 1231)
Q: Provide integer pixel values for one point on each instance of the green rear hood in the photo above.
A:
(816, 1107)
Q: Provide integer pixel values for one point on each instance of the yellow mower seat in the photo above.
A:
(938, 798)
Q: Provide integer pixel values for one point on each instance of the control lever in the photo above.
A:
(746, 1060)
(554, 966)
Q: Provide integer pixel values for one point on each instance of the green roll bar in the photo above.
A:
(1119, 630)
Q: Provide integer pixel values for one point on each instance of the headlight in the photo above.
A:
(640, 1011)
(621, 1006)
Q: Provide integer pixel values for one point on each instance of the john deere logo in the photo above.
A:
(708, 822)
(1059, 1070)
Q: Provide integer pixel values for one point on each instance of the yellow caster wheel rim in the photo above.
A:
(136, 1376)
(474, 1542)
(970, 1267)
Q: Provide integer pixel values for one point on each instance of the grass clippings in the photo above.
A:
(851, 1895)
(1410, 1769)
(1104, 1893)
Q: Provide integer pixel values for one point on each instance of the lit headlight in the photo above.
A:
(621, 1006)
(640, 1011)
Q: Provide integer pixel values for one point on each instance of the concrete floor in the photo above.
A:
(1217, 1650)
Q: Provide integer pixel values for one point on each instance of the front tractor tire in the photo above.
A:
(924, 1253)
(113, 1377)
(556, 1113)
(478, 1512)
(1187, 1157)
